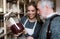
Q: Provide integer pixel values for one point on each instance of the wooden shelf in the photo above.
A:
(1, 13)
(4, 34)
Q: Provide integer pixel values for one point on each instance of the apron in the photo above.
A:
(29, 31)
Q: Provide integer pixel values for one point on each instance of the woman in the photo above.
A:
(30, 23)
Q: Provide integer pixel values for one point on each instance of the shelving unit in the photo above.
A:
(4, 6)
(1, 18)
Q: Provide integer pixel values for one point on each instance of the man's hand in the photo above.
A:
(30, 37)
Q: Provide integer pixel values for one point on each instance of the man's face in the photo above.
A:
(41, 11)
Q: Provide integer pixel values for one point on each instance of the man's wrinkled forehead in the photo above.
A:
(38, 5)
(43, 4)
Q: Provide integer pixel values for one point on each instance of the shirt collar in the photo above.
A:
(51, 15)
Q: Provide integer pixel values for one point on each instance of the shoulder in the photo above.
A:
(56, 19)
(55, 23)
(23, 19)
(39, 24)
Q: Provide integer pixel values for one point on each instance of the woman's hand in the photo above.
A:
(30, 37)
(25, 32)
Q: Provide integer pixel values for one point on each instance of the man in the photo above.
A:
(45, 9)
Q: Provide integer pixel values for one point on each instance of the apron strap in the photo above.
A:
(33, 27)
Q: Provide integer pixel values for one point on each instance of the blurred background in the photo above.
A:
(18, 10)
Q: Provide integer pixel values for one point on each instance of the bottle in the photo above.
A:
(16, 27)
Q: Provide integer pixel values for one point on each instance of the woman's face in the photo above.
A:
(31, 12)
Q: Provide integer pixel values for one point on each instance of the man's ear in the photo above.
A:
(47, 8)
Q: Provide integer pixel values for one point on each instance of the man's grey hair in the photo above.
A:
(48, 3)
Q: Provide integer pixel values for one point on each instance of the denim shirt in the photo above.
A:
(55, 29)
